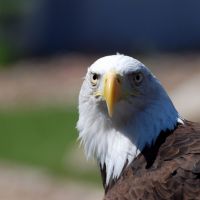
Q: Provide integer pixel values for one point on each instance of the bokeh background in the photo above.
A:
(45, 49)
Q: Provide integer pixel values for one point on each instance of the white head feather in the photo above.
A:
(136, 122)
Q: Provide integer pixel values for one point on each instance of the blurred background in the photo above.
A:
(45, 49)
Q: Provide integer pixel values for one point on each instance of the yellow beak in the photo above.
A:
(112, 91)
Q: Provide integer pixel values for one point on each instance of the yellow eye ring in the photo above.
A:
(94, 79)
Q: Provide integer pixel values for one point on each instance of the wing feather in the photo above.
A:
(173, 174)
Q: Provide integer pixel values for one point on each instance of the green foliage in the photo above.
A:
(42, 138)
(6, 54)
(11, 13)
(11, 7)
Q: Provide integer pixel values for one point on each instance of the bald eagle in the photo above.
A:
(144, 148)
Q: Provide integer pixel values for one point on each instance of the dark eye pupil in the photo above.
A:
(138, 77)
(95, 76)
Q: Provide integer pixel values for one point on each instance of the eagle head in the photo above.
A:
(122, 108)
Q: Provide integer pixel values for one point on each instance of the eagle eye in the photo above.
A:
(138, 78)
(94, 79)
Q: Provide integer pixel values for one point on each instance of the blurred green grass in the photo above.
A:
(43, 137)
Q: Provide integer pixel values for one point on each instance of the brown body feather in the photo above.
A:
(170, 169)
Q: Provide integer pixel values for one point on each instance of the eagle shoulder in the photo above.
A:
(169, 169)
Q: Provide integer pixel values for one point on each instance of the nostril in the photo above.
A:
(118, 80)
